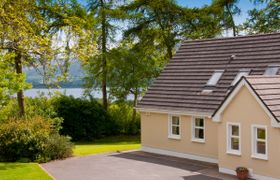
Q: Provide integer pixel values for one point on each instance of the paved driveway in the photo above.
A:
(134, 165)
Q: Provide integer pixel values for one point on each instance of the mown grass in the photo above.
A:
(22, 171)
(108, 144)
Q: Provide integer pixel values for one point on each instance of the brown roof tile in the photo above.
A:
(180, 84)
(268, 89)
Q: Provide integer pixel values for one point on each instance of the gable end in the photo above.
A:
(243, 82)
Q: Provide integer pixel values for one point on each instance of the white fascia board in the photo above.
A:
(218, 115)
(174, 112)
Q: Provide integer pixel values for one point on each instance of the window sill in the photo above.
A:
(174, 137)
(235, 153)
(258, 156)
(198, 140)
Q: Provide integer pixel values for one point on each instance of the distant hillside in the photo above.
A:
(76, 75)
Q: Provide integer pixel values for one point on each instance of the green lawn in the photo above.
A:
(22, 171)
(110, 144)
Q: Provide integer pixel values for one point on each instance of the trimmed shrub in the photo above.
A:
(83, 119)
(57, 147)
(28, 139)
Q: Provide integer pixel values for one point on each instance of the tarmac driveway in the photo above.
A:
(133, 165)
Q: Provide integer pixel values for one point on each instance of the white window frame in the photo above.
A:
(215, 78)
(170, 125)
(242, 72)
(195, 139)
(229, 136)
(254, 142)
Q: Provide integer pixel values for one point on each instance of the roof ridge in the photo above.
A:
(234, 37)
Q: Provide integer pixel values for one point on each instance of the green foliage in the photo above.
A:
(132, 67)
(83, 119)
(10, 81)
(105, 12)
(122, 115)
(265, 20)
(163, 23)
(32, 139)
(57, 147)
(38, 106)
(20, 138)
(42, 106)
(30, 36)
(9, 110)
(228, 9)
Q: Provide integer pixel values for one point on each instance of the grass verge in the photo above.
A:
(22, 171)
(108, 144)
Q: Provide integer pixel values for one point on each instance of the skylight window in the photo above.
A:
(215, 78)
(271, 70)
(241, 73)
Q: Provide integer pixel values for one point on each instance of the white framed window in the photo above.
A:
(242, 72)
(215, 78)
(198, 129)
(234, 138)
(259, 142)
(271, 70)
(174, 129)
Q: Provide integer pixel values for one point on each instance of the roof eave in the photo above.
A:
(172, 111)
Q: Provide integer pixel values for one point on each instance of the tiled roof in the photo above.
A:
(268, 89)
(180, 85)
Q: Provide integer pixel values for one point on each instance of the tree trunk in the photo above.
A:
(104, 60)
(169, 51)
(232, 21)
(134, 104)
(20, 96)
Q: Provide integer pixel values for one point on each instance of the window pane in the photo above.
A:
(261, 147)
(235, 143)
(175, 120)
(235, 130)
(199, 133)
(261, 133)
(199, 122)
(215, 78)
(271, 70)
(175, 130)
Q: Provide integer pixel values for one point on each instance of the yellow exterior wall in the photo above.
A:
(154, 134)
(244, 109)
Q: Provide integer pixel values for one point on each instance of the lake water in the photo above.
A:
(75, 92)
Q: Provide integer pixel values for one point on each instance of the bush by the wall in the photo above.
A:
(83, 119)
(122, 115)
(29, 139)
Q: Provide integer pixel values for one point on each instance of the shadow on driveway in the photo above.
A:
(184, 164)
